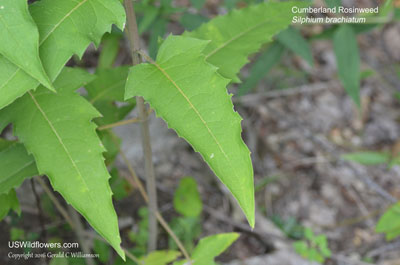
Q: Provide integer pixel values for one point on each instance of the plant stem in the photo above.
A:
(134, 44)
(40, 210)
(119, 123)
(53, 198)
(79, 230)
(135, 182)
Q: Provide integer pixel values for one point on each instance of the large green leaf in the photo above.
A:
(191, 97)
(210, 247)
(233, 37)
(348, 60)
(9, 201)
(15, 166)
(66, 27)
(20, 39)
(56, 129)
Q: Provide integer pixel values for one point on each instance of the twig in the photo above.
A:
(353, 221)
(56, 203)
(40, 210)
(79, 233)
(134, 44)
(116, 124)
(127, 253)
(341, 259)
(135, 182)
(65, 214)
(384, 249)
(121, 123)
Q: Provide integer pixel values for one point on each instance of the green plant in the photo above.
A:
(314, 247)
(63, 134)
(290, 227)
(188, 203)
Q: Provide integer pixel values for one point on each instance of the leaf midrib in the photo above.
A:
(13, 62)
(237, 37)
(53, 129)
(105, 91)
(11, 77)
(18, 170)
(201, 118)
(191, 106)
(61, 21)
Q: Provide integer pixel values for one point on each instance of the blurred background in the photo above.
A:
(325, 170)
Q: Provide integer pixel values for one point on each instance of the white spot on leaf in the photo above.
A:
(212, 156)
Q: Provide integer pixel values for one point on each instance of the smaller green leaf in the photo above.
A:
(325, 251)
(109, 50)
(9, 201)
(211, 247)
(157, 30)
(300, 247)
(119, 185)
(241, 32)
(192, 21)
(309, 234)
(390, 222)
(261, 67)
(17, 234)
(187, 229)
(187, 199)
(230, 4)
(112, 144)
(4, 144)
(348, 60)
(333, 3)
(149, 16)
(141, 235)
(59, 261)
(15, 166)
(107, 89)
(108, 86)
(386, 8)
(367, 157)
(292, 39)
(72, 78)
(198, 4)
(102, 249)
(20, 39)
(314, 255)
(162, 257)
